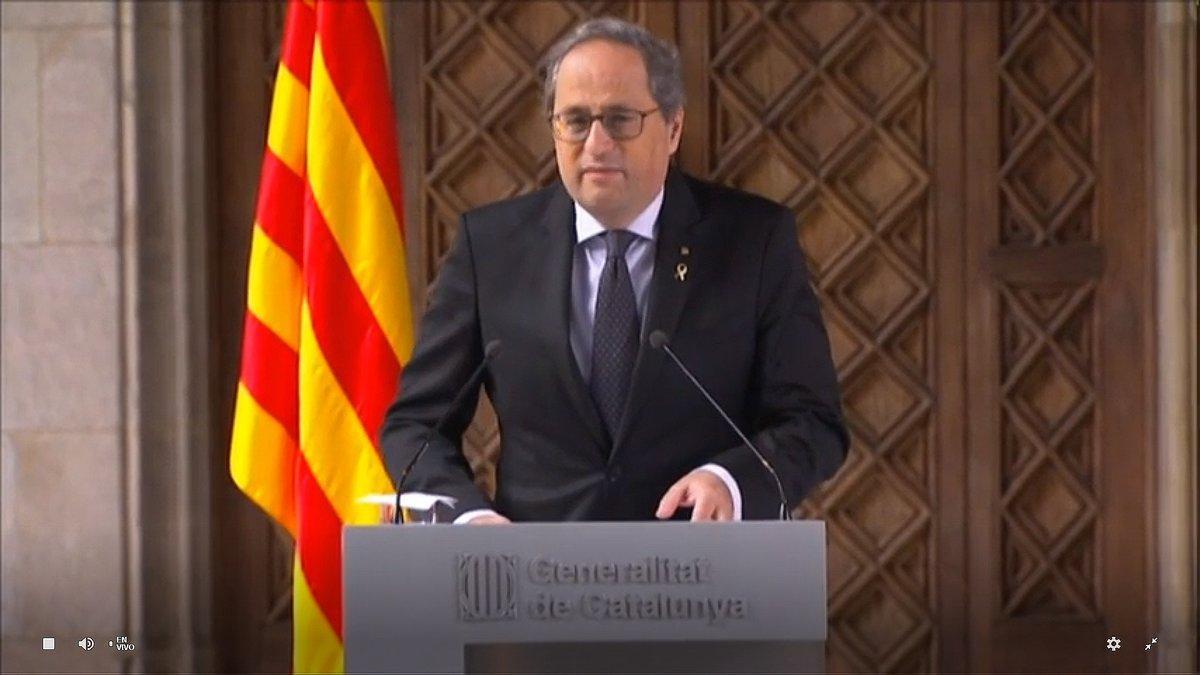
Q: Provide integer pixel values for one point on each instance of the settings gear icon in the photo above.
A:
(1114, 643)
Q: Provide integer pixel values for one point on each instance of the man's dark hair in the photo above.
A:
(661, 59)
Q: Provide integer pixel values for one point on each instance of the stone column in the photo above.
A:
(66, 524)
(105, 451)
(1172, 27)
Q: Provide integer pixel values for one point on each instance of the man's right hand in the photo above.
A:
(489, 519)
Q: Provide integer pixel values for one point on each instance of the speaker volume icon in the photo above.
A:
(87, 644)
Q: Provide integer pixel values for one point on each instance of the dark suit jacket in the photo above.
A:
(744, 319)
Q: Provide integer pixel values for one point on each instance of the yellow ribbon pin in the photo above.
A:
(681, 271)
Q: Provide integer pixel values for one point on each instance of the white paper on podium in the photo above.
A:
(420, 501)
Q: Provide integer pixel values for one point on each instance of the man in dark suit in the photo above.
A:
(595, 423)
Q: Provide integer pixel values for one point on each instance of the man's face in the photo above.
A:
(614, 180)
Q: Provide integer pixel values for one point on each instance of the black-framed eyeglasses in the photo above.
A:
(620, 123)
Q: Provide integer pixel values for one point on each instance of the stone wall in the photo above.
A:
(63, 461)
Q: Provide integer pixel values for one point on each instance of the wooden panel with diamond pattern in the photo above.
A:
(828, 108)
(1057, 353)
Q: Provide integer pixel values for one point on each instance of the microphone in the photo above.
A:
(658, 340)
(472, 382)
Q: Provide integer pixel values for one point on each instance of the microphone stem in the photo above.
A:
(783, 512)
(396, 517)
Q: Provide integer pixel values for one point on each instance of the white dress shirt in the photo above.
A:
(586, 267)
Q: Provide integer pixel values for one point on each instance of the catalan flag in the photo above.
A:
(328, 320)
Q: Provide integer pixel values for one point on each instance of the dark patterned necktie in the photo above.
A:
(615, 333)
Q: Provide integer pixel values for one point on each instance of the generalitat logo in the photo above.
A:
(487, 587)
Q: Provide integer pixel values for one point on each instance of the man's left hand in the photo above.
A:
(704, 492)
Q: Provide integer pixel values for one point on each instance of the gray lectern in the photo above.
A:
(586, 597)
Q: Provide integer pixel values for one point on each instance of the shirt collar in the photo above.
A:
(586, 225)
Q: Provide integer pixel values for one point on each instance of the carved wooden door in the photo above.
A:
(842, 111)
(968, 187)
(1058, 292)
(944, 162)
(969, 192)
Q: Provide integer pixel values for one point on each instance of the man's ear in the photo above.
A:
(675, 126)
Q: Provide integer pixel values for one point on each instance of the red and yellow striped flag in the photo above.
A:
(328, 319)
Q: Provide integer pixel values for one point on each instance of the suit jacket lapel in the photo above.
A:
(669, 290)
(558, 223)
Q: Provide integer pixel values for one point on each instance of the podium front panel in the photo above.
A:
(750, 594)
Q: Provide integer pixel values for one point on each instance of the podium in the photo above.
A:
(662, 597)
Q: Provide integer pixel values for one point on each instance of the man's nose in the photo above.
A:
(598, 141)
